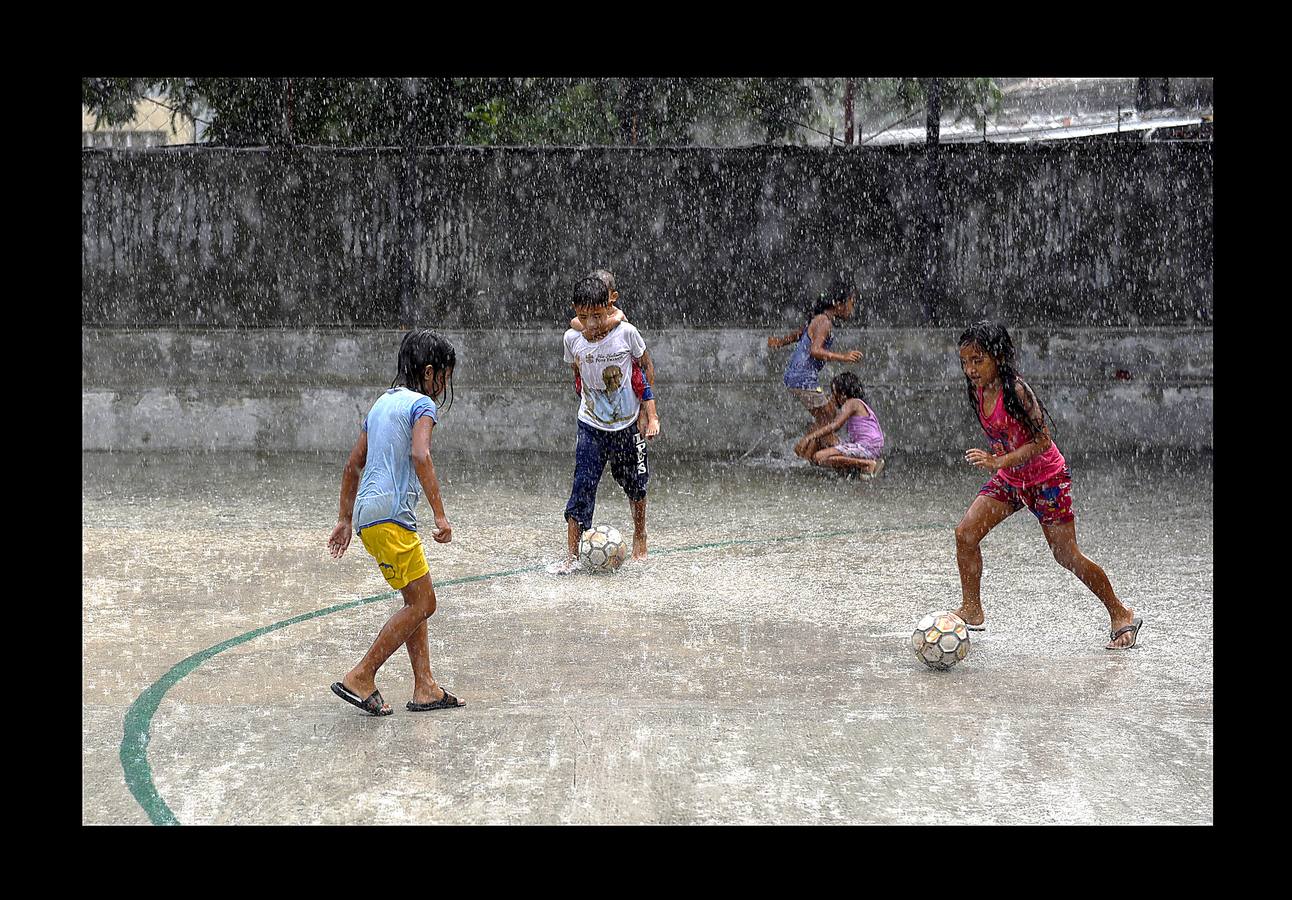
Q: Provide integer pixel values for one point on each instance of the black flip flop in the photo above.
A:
(1132, 627)
(448, 701)
(373, 706)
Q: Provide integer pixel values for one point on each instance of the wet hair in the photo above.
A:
(607, 277)
(591, 291)
(421, 348)
(841, 288)
(848, 385)
(996, 343)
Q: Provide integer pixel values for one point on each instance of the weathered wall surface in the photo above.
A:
(1055, 235)
(719, 389)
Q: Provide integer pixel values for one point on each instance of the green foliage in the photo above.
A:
(112, 100)
(965, 97)
(493, 111)
(537, 111)
(779, 106)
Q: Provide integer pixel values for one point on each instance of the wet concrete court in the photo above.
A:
(755, 670)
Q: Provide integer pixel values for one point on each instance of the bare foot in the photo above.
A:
(357, 685)
(639, 547)
(363, 688)
(974, 617)
(570, 564)
(1127, 639)
(428, 694)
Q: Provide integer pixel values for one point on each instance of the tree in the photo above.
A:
(536, 111)
(885, 98)
(112, 100)
(258, 111)
(367, 112)
(391, 111)
(1153, 93)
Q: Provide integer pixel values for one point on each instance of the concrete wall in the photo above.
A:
(1063, 234)
(719, 389)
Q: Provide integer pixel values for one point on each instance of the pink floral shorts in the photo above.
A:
(859, 451)
(1050, 501)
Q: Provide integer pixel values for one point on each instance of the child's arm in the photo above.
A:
(820, 330)
(425, 470)
(846, 412)
(652, 420)
(616, 319)
(1016, 457)
(648, 368)
(776, 342)
(648, 406)
(339, 539)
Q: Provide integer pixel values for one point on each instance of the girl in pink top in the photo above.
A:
(865, 444)
(1028, 470)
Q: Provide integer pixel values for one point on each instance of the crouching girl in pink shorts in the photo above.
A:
(863, 450)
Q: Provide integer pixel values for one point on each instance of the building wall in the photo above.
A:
(152, 127)
(1108, 389)
(1057, 235)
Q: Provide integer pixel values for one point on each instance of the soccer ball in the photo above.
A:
(940, 640)
(602, 548)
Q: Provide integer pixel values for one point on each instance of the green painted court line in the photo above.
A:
(139, 717)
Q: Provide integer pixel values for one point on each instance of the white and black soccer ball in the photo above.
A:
(940, 640)
(602, 549)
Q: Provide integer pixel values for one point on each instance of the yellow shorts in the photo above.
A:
(397, 551)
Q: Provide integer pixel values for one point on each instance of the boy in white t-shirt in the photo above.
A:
(642, 379)
(608, 411)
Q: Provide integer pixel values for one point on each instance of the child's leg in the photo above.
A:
(850, 462)
(572, 532)
(806, 451)
(419, 605)
(821, 416)
(1063, 541)
(983, 515)
(821, 457)
(639, 528)
(630, 466)
(589, 463)
(425, 689)
(834, 458)
(824, 416)
(419, 655)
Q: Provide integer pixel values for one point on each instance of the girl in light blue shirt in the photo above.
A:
(379, 490)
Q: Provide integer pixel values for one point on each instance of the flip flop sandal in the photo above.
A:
(373, 706)
(982, 627)
(1133, 627)
(448, 701)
